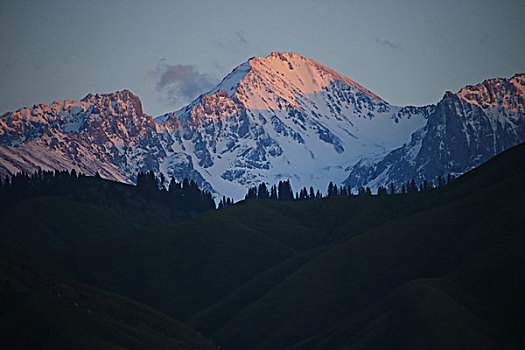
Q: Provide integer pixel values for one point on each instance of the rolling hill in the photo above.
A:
(436, 269)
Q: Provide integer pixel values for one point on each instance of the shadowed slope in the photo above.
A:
(469, 238)
(45, 311)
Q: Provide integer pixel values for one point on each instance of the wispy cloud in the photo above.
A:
(236, 41)
(241, 38)
(387, 43)
(178, 83)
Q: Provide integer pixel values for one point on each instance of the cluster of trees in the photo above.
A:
(225, 202)
(186, 195)
(412, 187)
(22, 185)
(283, 190)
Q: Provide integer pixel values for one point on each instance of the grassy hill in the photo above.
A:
(41, 310)
(438, 269)
(450, 275)
(59, 212)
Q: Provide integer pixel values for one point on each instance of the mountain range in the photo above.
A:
(464, 130)
(280, 117)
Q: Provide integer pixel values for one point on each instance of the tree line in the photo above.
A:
(185, 196)
(283, 190)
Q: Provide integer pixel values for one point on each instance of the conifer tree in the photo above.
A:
(285, 191)
(413, 186)
(330, 191)
(263, 192)
(162, 182)
(273, 193)
(174, 186)
(252, 193)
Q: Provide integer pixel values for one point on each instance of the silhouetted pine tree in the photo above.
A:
(147, 182)
(381, 191)
(273, 193)
(330, 191)
(303, 194)
(263, 192)
(252, 193)
(162, 182)
(285, 191)
(174, 187)
(413, 186)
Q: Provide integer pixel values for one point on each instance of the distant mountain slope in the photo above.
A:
(287, 117)
(464, 130)
(272, 118)
(94, 134)
(279, 117)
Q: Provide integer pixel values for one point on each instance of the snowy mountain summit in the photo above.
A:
(280, 117)
(285, 117)
(465, 130)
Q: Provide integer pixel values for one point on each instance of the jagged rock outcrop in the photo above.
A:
(465, 130)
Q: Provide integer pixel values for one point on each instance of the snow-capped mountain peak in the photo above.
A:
(499, 92)
(286, 116)
(279, 117)
(465, 129)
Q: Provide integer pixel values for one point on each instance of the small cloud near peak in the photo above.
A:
(178, 83)
(387, 43)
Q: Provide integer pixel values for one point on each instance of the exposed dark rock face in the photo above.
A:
(465, 130)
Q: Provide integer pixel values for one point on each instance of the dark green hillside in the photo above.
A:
(177, 269)
(449, 275)
(182, 268)
(49, 211)
(40, 310)
(437, 269)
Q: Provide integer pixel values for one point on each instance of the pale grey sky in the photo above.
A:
(407, 52)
